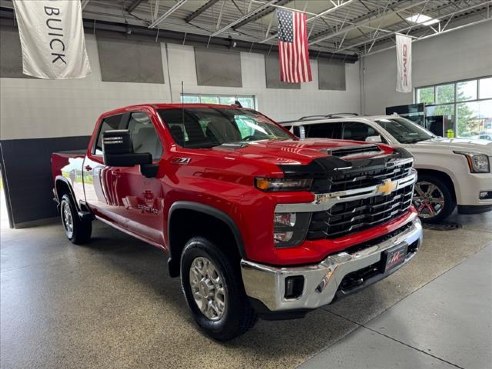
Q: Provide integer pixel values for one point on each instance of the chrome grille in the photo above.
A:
(347, 217)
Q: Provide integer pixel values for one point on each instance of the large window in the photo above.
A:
(468, 104)
(246, 101)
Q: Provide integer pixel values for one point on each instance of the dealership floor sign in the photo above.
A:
(52, 39)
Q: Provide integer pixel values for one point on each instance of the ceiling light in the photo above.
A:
(422, 19)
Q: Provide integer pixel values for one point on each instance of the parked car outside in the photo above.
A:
(451, 172)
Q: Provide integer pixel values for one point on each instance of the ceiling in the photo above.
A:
(350, 27)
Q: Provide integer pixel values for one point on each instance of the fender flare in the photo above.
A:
(60, 178)
(208, 210)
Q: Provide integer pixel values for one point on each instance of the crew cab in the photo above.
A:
(451, 172)
(254, 221)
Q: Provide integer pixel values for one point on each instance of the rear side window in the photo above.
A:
(108, 123)
(323, 130)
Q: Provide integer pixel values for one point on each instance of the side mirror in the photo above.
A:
(374, 139)
(118, 150)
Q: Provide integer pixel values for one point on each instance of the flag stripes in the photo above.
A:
(293, 47)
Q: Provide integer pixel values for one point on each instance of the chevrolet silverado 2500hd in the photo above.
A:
(255, 222)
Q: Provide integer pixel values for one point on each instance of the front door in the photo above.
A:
(122, 195)
(140, 200)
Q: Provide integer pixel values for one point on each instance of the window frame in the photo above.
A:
(454, 102)
(122, 120)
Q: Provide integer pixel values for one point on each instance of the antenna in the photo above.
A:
(182, 105)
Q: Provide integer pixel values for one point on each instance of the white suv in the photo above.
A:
(451, 171)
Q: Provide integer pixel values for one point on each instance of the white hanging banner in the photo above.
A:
(52, 38)
(403, 63)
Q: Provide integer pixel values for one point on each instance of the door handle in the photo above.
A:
(115, 172)
(88, 168)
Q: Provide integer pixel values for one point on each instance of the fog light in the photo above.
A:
(282, 236)
(286, 219)
(485, 195)
(294, 287)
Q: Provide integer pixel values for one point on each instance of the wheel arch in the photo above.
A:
(205, 218)
(441, 175)
(63, 186)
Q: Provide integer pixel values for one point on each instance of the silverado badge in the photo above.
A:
(387, 187)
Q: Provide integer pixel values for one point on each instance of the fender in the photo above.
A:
(70, 189)
(173, 265)
(83, 214)
(208, 210)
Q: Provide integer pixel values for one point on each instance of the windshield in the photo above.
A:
(209, 127)
(404, 131)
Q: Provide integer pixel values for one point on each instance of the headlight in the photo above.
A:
(478, 163)
(283, 184)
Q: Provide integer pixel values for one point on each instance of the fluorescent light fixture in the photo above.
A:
(422, 19)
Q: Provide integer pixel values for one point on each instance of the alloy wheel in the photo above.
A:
(428, 199)
(208, 289)
(67, 219)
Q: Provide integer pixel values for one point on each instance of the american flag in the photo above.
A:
(293, 47)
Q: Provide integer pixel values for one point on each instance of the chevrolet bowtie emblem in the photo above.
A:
(387, 187)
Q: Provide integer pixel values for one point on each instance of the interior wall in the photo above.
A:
(38, 117)
(457, 55)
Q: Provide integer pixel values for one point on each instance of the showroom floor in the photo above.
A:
(111, 305)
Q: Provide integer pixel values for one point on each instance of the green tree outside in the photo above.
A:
(446, 95)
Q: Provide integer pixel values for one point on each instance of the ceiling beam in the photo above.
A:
(408, 28)
(261, 14)
(171, 10)
(322, 36)
(314, 16)
(244, 17)
(200, 10)
(133, 5)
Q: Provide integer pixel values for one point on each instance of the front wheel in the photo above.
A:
(78, 231)
(212, 286)
(433, 199)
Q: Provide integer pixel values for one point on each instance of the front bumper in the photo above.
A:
(470, 188)
(323, 281)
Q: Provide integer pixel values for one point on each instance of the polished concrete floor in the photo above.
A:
(110, 304)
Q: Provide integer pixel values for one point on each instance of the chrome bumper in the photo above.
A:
(321, 281)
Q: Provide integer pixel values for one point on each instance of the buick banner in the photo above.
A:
(52, 38)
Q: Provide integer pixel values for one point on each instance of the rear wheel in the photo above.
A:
(212, 286)
(433, 199)
(78, 231)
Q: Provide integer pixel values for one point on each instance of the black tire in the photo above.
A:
(78, 231)
(425, 195)
(238, 315)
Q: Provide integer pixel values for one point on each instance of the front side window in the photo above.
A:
(404, 131)
(109, 123)
(208, 127)
(144, 135)
(357, 131)
(324, 130)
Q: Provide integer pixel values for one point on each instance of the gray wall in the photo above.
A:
(461, 54)
(38, 116)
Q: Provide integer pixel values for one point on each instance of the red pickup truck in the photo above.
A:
(255, 222)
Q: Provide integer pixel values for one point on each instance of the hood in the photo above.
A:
(456, 144)
(302, 152)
